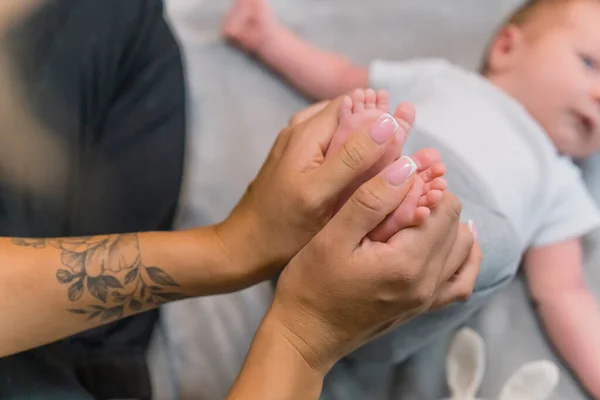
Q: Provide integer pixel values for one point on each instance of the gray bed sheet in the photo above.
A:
(237, 108)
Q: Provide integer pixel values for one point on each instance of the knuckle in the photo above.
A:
(454, 206)
(369, 199)
(412, 274)
(281, 142)
(353, 155)
(309, 200)
(284, 133)
(296, 118)
(313, 211)
(464, 293)
(423, 295)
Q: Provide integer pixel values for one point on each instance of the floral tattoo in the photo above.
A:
(110, 268)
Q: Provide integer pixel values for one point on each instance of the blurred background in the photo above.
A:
(236, 107)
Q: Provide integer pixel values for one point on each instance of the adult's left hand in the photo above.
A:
(297, 189)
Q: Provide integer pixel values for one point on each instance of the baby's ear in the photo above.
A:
(505, 49)
(465, 364)
(533, 381)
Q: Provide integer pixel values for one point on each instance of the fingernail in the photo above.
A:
(472, 228)
(400, 171)
(383, 128)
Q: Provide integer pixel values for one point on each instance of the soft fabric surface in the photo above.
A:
(237, 108)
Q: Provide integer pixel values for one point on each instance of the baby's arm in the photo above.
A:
(568, 310)
(318, 74)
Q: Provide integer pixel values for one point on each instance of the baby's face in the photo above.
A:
(556, 76)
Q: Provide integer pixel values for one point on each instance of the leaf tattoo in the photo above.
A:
(76, 290)
(131, 275)
(110, 268)
(160, 277)
(98, 288)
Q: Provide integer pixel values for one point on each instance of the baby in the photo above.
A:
(507, 137)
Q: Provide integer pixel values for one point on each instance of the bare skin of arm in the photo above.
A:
(567, 308)
(70, 285)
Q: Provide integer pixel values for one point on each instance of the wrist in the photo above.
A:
(243, 242)
(276, 369)
(271, 39)
(312, 337)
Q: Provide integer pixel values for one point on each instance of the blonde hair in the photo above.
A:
(523, 15)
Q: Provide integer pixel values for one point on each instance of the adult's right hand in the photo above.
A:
(343, 290)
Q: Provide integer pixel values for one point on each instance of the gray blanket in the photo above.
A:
(237, 108)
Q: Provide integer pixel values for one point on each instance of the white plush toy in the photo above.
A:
(465, 366)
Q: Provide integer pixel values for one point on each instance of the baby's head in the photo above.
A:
(547, 56)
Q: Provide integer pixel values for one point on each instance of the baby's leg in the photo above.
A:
(365, 106)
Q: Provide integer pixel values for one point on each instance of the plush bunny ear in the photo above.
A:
(465, 364)
(533, 381)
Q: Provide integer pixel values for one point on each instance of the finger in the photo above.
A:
(308, 113)
(459, 253)
(438, 232)
(410, 212)
(394, 151)
(281, 142)
(357, 155)
(403, 216)
(460, 287)
(373, 201)
(321, 126)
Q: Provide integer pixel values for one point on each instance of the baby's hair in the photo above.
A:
(523, 15)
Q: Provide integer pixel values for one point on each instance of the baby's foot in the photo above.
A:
(425, 194)
(249, 24)
(363, 107)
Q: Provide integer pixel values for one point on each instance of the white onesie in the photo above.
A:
(540, 192)
(502, 167)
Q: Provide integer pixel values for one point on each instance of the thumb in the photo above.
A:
(309, 112)
(373, 201)
(360, 152)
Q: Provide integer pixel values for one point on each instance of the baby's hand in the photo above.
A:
(248, 24)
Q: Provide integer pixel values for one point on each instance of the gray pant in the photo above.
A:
(373, 368)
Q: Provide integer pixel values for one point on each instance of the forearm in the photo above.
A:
(318, 74)
(275, 370)
(572, 321)
(54, 288)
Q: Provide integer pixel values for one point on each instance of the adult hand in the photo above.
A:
(296, 191)
(343, 289)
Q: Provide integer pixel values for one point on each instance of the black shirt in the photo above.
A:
(105, 79)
